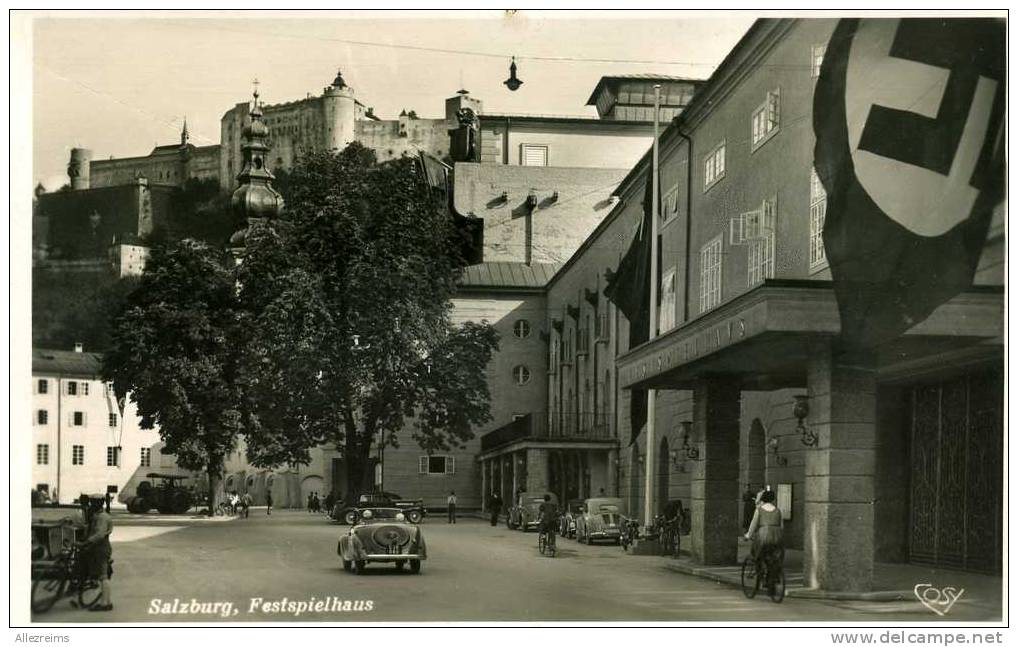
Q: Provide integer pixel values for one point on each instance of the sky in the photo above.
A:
(119, 84)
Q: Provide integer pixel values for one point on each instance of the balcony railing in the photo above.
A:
(550, 426)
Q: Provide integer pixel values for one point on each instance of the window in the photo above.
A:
(521, 375)
(77, 455)
(43, 386)
(521, 329)
(83, 388)
(42, 417)
(112, 457)
(714, 166)
(766, 118)
(78, 419)
(72, 388)
(666, 312)
(533, 155)
(113, 420)
(42, 454)
(710, 275)
(146, 457)
(670, 205)
(112, 489)
(437, 465)
(519, 416)
(761, 245)
(817, 60)
(817, 214)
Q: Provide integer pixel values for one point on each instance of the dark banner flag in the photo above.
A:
(629, 289)
(908, 116)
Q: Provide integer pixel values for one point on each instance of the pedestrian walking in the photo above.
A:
(451, 501)
(311, 502)
(268, 503)
(496, 508)
(245, 503)
(330, 500)
(748, 506)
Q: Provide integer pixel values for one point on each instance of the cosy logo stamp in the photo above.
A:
(939, 601)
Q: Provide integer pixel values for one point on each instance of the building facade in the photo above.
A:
(749, 339)
(82, 443)
(870, 455)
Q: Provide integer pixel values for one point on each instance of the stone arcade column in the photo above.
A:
(714, 481)
(613, 473)
(484, 485)
(840, 472)
(501, 483)
(537, 470)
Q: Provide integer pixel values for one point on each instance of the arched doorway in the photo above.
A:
(313, 483)
(663, 476)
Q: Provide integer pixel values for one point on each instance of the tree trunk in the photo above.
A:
(215, 476)
(356, 457)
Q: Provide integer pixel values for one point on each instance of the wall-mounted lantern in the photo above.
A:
(807, 436)
(692, 453)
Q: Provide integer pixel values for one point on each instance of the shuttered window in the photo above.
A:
(436, 465)
(533, 155)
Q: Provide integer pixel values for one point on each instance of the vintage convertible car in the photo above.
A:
(382, 535)
(601, 521)
(523, 515)
(348, 513)
(567, 521)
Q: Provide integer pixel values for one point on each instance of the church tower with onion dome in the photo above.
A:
(254, 200)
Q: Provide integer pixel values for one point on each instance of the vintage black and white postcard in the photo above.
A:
(507, 317)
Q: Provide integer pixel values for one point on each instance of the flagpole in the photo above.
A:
(651, 462)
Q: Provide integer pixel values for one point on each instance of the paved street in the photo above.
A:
(474, 572)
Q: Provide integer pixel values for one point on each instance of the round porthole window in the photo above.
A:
(521, 375)
(521, 329)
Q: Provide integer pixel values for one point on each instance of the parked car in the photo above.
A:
(413, 509)
(567, 522)
(524, 513)
(382, 535)
(601, 521)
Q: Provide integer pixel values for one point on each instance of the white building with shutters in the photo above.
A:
(81, 441)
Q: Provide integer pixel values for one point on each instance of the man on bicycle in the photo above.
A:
(765, 530)
(547, 518)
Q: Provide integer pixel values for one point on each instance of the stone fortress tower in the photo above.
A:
(78, 169)
(339, 112)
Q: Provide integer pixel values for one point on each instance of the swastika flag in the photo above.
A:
(909, 123)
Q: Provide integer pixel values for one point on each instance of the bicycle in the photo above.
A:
(671, 538)
(768, 571)
(50, 581)
(546, 542)
(630, 531)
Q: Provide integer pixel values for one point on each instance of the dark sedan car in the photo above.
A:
(349, 513)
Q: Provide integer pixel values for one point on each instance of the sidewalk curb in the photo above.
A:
(792, 591)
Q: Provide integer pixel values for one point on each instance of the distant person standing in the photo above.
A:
(330, 500)
(311, 502)
(451, 501)
(245, 504)
(496, 508)
(268, 502)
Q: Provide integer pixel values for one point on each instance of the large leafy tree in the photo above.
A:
(350, 338)
(177, 350)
